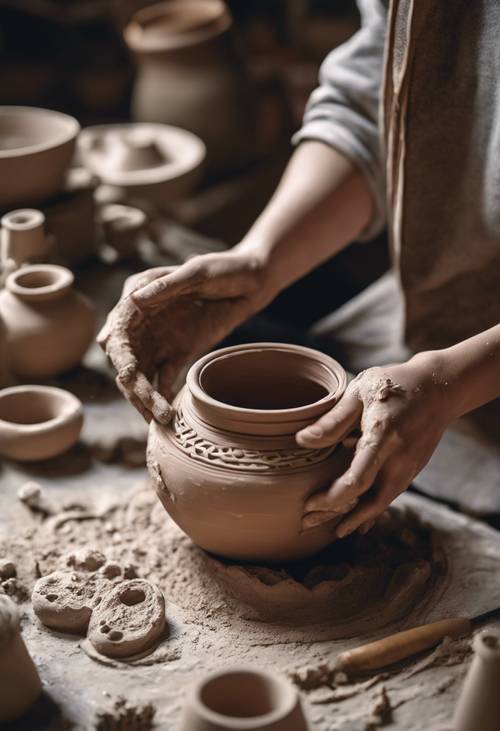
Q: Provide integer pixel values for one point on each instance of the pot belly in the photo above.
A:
(245, 515)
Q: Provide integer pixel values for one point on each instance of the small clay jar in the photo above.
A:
(228, 469)
(19, 680)
(243, 699)
(191, 75)
(38, 422)
(22, 237)
(49, 325)
(478, 708)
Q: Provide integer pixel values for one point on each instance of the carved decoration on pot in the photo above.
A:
(227, 468)
(191, 75)
(21, 684)
(49, 325)
(243, 698)
(36, 148)
(38, 422)
(479, 703)
(23, 238)
(152, 161)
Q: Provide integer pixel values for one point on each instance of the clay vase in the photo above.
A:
(190, 75)
(479, 703)
(36, 148)
(227, 468)
(20, 682)
(243, 698)
(22, 237)
(49, 325)
(38, 422)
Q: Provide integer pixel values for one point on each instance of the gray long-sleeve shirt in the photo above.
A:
(413, 99)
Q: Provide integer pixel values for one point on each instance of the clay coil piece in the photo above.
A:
(203, 450)
(64, 600)
(20, 682)
(129, 620)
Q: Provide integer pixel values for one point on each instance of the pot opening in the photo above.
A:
(267, 379)
(38, 282)
(241, 694)
(28, 408)
(181, 18)
(37, 279)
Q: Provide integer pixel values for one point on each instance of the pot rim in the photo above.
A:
(287, 699)
(67, 135)
(69, 407)
(487, 644)
(139, 42)
(206, 404)
(63, 280)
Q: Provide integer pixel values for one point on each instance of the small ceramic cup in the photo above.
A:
(243, 699)
(38, 422)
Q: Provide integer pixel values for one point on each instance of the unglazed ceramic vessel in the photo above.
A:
(38, 422)
(36, 148)
(243, 698)
(153, 161)
(228, 469)
(478, 708)
(22, 237)
(122, 227)
(191, 75)
(49, 325)
(20, 682)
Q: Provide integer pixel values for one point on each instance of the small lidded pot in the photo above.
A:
(48, 324)
(228, 469)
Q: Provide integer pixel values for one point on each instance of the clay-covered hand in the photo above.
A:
(400, 412)
(170, 315)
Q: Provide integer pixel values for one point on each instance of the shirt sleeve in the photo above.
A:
(343, 111)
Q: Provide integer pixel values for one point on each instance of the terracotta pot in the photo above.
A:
(38, 422)
(153, 161)
(36, 148)
(190, 75)
(243, 698)
(122, 227)
(19, 677)
(49, 325)
(23, 237)
(228, 469)
(478, 708)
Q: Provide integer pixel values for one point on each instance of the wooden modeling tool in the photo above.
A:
(401, 645)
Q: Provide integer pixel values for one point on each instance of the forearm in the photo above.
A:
(321, 204)
(470, 371)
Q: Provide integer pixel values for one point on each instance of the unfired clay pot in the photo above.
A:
(38, 422)
(190, 75)
(49, 325)
(153, 161)
(228, 469)
(478, 708)
(243, 699)
(22, 237)
(20, 682)
(36, 148)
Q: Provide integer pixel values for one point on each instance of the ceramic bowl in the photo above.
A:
(38, 422)
(157, 162)
(243, 699)
(36, 149)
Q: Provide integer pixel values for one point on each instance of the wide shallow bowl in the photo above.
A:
(228, 468)
(38, 422)
(158, 162)
(36, 149)
(243, 699)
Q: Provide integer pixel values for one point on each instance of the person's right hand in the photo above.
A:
(168, 316)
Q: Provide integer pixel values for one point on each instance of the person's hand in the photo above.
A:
(399, 413)
(170, 315)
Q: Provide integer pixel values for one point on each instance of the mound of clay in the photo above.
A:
(64, 600)
(129, 620)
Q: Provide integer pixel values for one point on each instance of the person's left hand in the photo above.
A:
(402, 412)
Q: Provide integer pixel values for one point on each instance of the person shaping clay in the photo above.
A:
(403, 131)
